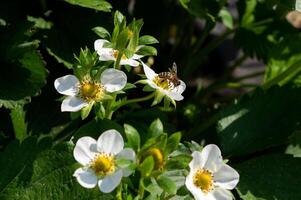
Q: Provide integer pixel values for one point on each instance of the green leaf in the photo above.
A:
(102, 32)
(95, 128)
(173, 142)
(147, 166)
(33, 170)
(18, 119)
(257, 122)
(155, 129)
(269, 177)
(147, 39)
(22, 78)
(147, 51)
(167, 184)
(132, 136)
(227, 18)
(101, 5)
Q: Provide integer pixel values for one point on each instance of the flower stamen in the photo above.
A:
(163, 83)
(116, 53)
(103, 164)
(91, 91)
(203, 179)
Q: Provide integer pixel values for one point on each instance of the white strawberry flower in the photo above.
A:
(165, 86)
(106, 54)
(99, 161)
(82, 93)
(210, 178)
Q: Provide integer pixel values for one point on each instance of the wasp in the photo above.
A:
(171, 76)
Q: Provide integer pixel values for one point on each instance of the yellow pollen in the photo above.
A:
(203, 179)
(158, 157)
(103, 164)
(91, 91)
(163, 83)
(115, 54)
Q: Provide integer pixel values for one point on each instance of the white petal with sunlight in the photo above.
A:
(85, 178)
(67, 85)
(222, 194)
(85, 150)
(226, 177)
(98, 44)
(212, 158)
(113, 80)
(73, 104)
(110, 182)
(149, 73)
(110, 141)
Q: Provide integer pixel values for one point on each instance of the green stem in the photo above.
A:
(141, 189)
(249, 76)
(119, 192)
(109, 109)
(200, 41)
(150, 96)
(117, 63)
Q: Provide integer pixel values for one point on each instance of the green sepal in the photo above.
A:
(85, 111)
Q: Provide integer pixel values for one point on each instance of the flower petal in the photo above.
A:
(73, 104)
(85, 150)
(211, 158)
(131, 62)
(196, 192)
(226, 177)
(126, 154)
(106, 54)
(110, 142)
(113, 79)
(98, 44)
(180, 88)
(109, 183)
(196, 162)
(85, 178)
(136, 56)
(67, 85)
(150, 74)
(174, 95)
(222, 194)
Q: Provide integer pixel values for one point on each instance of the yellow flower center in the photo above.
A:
(91, 91)
(158, 157)
(116, 53)
(203, 179)
(163, 83)
(103, 164)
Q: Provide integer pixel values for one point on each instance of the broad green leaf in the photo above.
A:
(262, 120)
(147, 39)
(147, 51)
(167, 184)
(95, 128)
(101, 5)
(102, 32)
(132, 136)
(34, 170)
(227, 18)
(173, 142)
(147, 166)
(155, 129)
(270, 177)
(18, 120)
